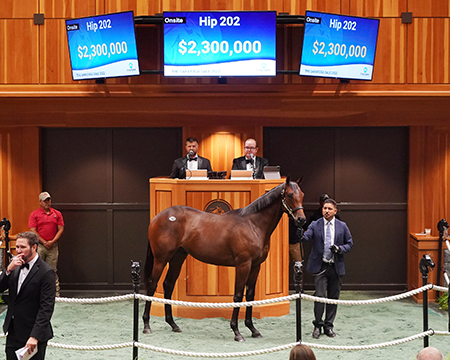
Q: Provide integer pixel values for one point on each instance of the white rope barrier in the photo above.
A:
(95, 300)
(258, 302)
(250, 353)
(244, 304)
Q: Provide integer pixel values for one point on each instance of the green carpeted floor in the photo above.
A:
(111, 323)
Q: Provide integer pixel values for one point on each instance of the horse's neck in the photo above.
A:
(268, 218)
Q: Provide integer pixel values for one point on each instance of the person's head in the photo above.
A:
(301, 352)
(250, 147)
(45, 200)
(322, 199)
(430, 353)
(26, 244)
(191, 144)
(329, 209)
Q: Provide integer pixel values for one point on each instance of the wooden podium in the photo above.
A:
(200, 282)
(418, 246)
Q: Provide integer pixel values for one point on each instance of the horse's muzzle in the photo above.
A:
(300, 221)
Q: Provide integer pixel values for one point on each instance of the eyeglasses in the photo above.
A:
(249, 148)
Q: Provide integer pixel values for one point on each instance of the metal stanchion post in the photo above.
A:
(136, 276)
(425, 264)
(298, 280)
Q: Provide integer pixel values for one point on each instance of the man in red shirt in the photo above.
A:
(48, 224)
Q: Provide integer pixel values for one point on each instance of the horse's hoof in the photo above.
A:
(147, 331)
(256, 335)
(176, 329)
(239, 338)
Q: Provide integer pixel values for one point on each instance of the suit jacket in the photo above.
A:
(342, 238)
(240, 164)
(179, 167)
(32, 307)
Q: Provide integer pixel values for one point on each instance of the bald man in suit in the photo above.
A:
(32, 290)
(250, 161)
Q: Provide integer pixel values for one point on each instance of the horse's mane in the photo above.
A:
(260, 203)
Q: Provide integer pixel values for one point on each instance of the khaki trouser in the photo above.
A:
(50, 256)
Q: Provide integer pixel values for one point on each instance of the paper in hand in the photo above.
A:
(22, 354)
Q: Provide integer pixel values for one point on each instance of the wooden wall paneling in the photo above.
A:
(19, 51)
(66, 9)
(377, 8)
(54, 56)
(20, 182)
(428, 48)
(430, 8)
(390, 57)
(296, 7)
(140, 7)
(13, 9)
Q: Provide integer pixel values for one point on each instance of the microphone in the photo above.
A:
(252, 162)
(190, 153)
(251, 159)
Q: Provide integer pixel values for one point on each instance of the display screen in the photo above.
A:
(220, 43)
(102, 46)
(338, 46)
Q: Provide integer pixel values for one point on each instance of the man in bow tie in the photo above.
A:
(192, 161)
(32, 289)
(249, 161)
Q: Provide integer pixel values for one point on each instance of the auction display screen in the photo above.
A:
(102, 46)
(220, 43)
(338, 46)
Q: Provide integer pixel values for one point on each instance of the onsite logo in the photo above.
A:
(218, 206)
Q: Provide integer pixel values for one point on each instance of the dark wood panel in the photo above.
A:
(140, 154)
(75, 165)
(372, 165)
(83, 249)
(129, 243)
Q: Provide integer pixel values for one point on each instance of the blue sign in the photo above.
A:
(338, 46)
(102, 46)
(220, 43)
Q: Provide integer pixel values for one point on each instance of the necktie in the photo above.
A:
(193, 159)
(247, 161)
(327, 251)
(25, 266)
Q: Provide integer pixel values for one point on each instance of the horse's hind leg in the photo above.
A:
(151, 288)
(175, 265)
(250, 296)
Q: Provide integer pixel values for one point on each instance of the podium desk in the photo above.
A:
(418, 246)
(200, 282)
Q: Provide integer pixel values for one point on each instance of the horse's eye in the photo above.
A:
(290, 195)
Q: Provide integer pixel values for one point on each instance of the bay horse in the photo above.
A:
(239, 238)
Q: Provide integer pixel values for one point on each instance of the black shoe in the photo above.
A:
(329, 332)
(316, 333)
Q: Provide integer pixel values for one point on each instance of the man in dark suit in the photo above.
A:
(249, 161)
(32, 290)
(189, 162)
(331, 240)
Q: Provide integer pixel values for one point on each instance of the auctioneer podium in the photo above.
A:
(200, 282)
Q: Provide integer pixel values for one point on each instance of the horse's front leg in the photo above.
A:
(242, 273)
(250, 296)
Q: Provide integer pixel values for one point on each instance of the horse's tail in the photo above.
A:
(148, 265)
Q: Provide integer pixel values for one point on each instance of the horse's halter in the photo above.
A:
(286, 206)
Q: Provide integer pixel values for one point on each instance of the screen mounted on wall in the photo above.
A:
(102, 46)
(220, 43)
(338, 46)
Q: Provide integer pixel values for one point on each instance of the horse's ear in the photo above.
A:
(299, 181)
(288, 179)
